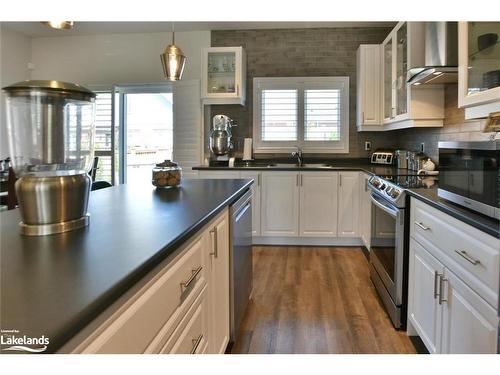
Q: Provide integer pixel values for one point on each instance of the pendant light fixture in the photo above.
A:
(173, 60)
(60, 25)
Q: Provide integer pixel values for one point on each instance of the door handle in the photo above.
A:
(442, 280)
(214, 247)
(436, 279)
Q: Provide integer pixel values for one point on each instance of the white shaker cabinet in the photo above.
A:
(348, 198)
(452, 284)
(219, 273)
(469, 323)
(256, 193)
(318, 204)
(365, 210)
(280, 204)
(424, 311)
(369, 87)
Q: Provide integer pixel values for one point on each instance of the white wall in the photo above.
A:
(115, 58)
(15, 53)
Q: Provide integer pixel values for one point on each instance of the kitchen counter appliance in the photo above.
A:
(470, 175)
(221, 137)
(385, 157)
(240, 258)
(389, 247)
(51, 139)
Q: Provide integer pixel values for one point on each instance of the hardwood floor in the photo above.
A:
(316, 300)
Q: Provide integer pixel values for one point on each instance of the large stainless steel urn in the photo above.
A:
(220, 136)
(51, 139)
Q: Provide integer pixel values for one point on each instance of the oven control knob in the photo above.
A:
(395, 193)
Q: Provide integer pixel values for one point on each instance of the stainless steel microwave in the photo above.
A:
(469, 175)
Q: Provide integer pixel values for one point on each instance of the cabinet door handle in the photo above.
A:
(366, 184)
(258, 179)
(340, 180)
(422, 225)
(467, 257)
(301, 180)
(437, 275)
(442, 280)
(363, 117)
(185, 284)
(237, 90)
(196, 343)
(297, 180)
(215, 247)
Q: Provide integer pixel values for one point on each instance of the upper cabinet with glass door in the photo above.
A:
(223, 75)
(406, 106)
(479, 64)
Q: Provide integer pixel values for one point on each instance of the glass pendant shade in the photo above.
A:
(61, 25)
(173, 61)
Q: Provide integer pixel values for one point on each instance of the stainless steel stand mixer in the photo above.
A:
(221, 138)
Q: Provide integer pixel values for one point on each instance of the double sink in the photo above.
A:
(286, 165)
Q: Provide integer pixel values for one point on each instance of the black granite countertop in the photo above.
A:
(55, 285)
(481, 222)
(429, 196)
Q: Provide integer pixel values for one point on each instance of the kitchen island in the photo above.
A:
(56, 285)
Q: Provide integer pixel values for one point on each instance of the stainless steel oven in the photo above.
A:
(388, 250)
(470, 175)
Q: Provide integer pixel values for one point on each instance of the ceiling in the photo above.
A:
(36, 29)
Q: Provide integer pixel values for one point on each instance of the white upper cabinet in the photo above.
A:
(369, 87)
(223, 75)
(403, 105)
(479, 67)
(318, 204)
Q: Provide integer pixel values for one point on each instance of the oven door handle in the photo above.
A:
(391, 211)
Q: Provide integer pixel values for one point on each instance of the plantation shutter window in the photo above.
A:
(307, 112)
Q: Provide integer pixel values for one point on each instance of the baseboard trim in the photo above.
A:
(307, 241)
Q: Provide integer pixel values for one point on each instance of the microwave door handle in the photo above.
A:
(383, 207)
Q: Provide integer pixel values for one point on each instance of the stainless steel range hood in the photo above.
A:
(441, 55)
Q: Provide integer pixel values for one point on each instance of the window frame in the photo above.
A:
(301, 84)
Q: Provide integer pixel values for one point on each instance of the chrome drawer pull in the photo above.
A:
(196, 343)
(467, 257)
(437, 275)
(185, 285)
(422, 226)
(441, 289)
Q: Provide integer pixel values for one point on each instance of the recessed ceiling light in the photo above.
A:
(61, 25)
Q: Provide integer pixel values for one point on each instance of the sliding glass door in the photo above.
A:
(144, 124)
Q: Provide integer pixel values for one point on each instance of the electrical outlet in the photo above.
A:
(368, 145)
(422, 147)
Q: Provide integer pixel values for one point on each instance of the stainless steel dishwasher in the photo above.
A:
(240, 260)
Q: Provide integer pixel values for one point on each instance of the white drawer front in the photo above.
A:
(136, 327)
(191, 336)
(466, 247)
